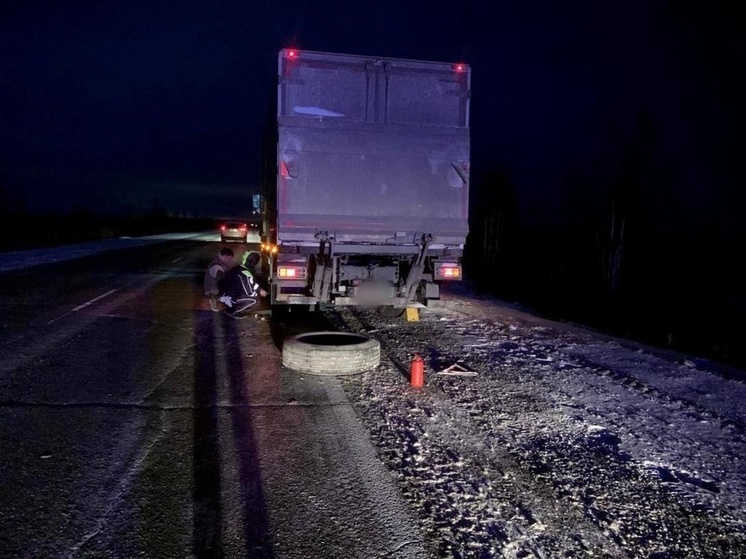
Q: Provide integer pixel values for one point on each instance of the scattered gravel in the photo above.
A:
(564, 443)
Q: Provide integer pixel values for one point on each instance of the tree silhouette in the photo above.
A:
(622, 209)
(493, 221)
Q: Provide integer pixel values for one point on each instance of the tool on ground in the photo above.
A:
(457, 370)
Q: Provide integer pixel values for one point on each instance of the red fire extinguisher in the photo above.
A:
(417, 373)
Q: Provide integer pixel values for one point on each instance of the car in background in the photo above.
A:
(233, 231)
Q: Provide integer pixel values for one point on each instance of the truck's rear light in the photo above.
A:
(291, 272)
(447, 271)
(460, 68)
(292, 53)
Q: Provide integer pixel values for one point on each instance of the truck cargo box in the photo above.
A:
(366, 180)
(371, 150)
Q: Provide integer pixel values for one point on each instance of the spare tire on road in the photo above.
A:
(331, 353)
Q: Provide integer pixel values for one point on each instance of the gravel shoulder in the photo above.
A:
(565, 443)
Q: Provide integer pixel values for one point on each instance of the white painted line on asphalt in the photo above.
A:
(84, 305)
(68, 313)
(175, 261)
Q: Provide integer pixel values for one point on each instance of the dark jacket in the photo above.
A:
(214, 274)
(239, 284)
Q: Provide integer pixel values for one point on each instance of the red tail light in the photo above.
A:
(448, 271)
(460, 68)
(222, 227)
(291, 272)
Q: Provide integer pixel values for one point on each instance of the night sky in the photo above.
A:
(110, 105)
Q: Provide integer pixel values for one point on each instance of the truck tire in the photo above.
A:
(331, 353)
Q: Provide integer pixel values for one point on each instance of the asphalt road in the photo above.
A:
(136, 422)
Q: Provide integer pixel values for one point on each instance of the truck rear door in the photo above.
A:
(370, 147)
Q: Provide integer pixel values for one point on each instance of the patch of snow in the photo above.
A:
(564, 444)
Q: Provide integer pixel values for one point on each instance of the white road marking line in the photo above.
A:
(175, 261)
(68, 313)
(84, 305)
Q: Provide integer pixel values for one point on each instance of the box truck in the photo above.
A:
(365, 180)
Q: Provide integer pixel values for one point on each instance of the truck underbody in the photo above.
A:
(363, 274)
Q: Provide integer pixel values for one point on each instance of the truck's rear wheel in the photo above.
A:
(331, 353)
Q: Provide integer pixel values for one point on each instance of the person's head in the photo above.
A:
(226, 254)
(251, 258)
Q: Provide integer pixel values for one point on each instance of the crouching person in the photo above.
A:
(216, 271)
(240, 290)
